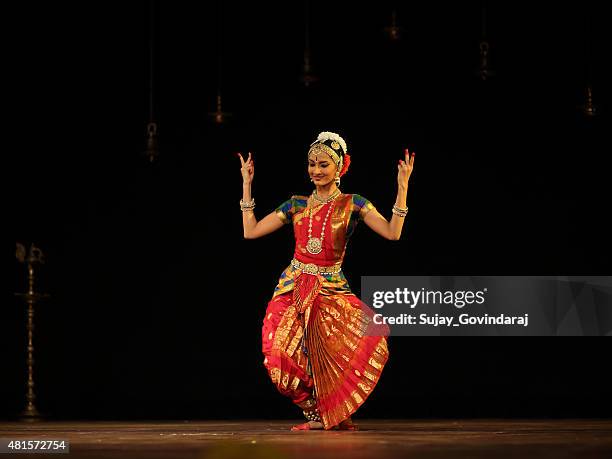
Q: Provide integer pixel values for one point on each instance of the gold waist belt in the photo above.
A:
(311, 268)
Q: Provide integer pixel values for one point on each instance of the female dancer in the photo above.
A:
(320, 344)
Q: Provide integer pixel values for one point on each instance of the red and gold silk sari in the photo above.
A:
(318, 338)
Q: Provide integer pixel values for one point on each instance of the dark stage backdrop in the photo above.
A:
(156, 299)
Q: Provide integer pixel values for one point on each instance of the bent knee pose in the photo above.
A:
(321, 347)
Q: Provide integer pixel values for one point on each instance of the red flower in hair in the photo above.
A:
(345, 164)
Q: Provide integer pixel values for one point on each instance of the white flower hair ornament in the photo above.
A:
(325, 135)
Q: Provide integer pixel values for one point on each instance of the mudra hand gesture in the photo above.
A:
(247, 169)
(404, 169)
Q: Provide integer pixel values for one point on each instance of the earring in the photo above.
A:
(337, 179)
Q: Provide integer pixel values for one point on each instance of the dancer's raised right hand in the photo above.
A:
(247, 168)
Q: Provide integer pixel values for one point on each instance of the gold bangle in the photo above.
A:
(244, 206)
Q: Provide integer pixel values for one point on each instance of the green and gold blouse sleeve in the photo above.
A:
(361, 205)
(286, 210)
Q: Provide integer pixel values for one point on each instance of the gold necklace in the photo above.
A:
(327, 199)
(315, 244)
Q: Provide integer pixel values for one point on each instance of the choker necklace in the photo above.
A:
(315, 244)
(327, 199)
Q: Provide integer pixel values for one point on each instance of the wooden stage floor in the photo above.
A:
(386, 439)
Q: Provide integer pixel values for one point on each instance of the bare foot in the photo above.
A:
(310, 425)
(348, 424)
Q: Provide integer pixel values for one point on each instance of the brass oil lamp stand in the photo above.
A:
(31, 259)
